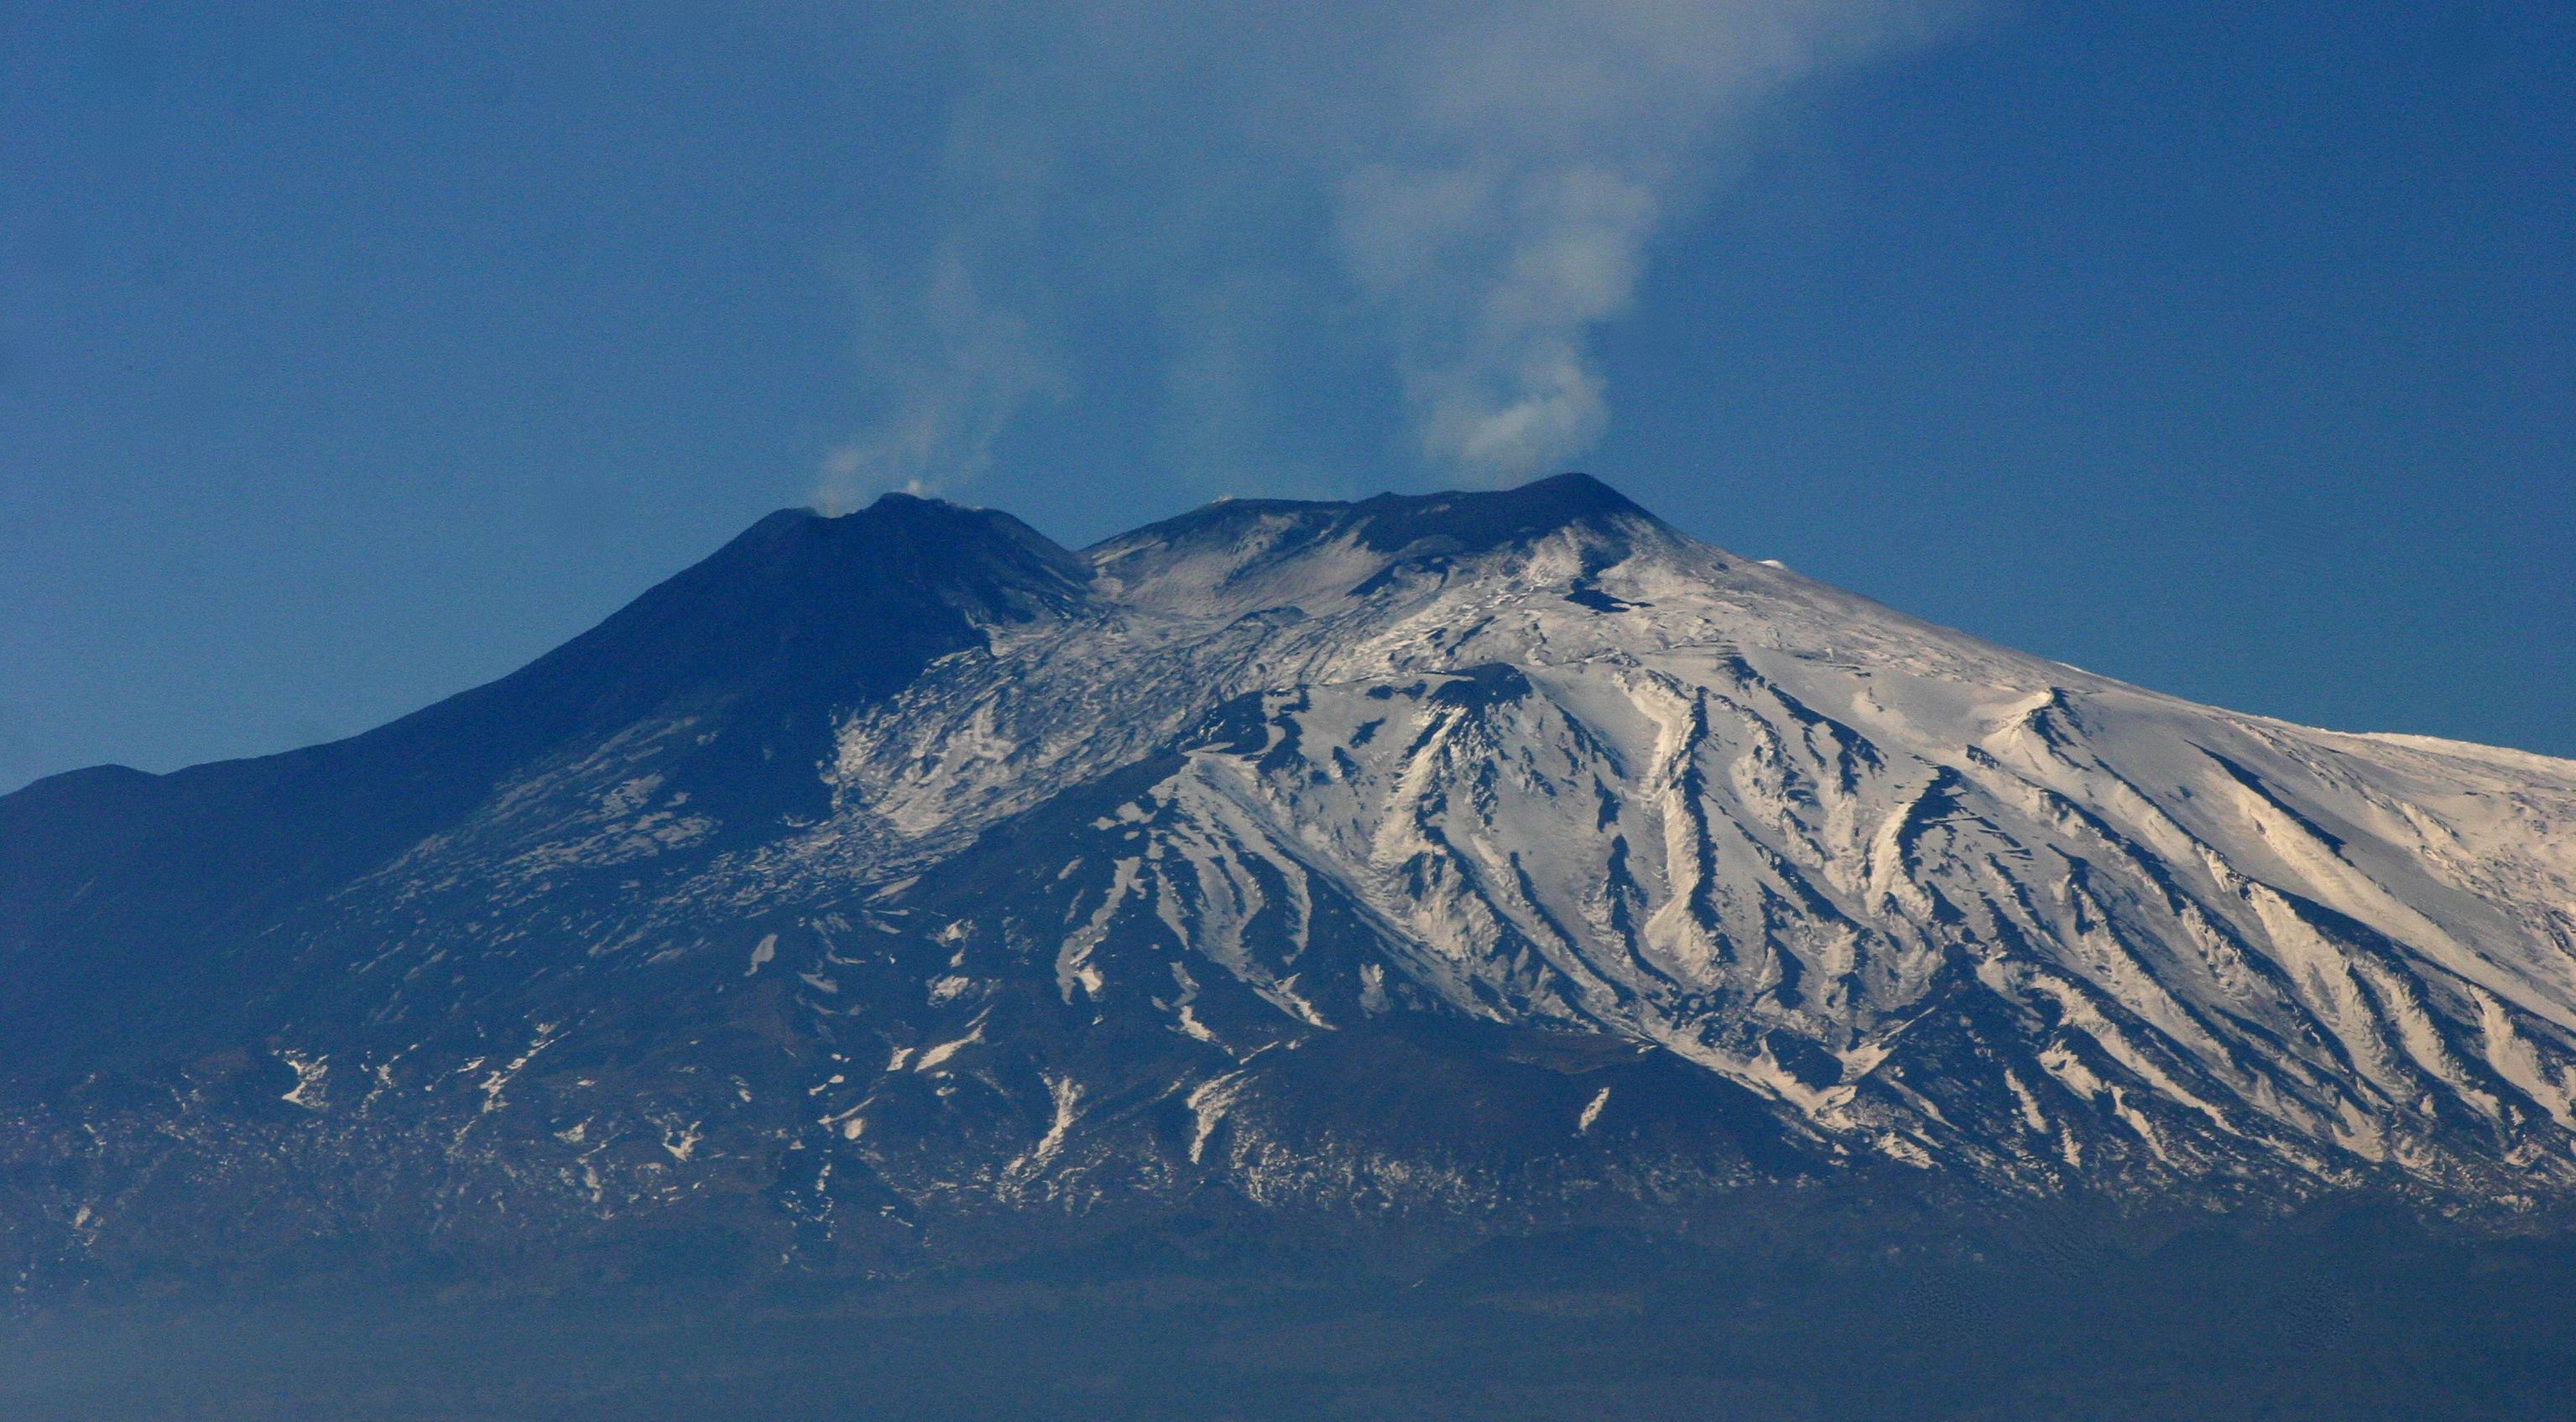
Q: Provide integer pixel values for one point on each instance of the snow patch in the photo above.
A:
(1591, 1112)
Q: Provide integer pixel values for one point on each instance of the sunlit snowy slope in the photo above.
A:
(1470, 852)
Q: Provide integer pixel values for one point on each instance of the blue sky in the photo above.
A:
(350, 356)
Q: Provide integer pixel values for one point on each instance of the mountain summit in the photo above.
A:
(895, 882)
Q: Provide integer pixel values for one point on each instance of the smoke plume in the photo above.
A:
(1458, 194)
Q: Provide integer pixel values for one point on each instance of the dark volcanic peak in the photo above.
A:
(1277, 543)
(920, 533)
(800, 611)
(1491, 519)
(1389, 523)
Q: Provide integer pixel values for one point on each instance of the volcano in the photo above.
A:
(901, 885)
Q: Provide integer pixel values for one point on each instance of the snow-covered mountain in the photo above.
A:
(1487, 856)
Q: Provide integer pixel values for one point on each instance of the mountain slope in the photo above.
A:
(112, 881)
(888, 880)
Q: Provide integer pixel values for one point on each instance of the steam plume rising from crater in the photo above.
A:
(1466, 192)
